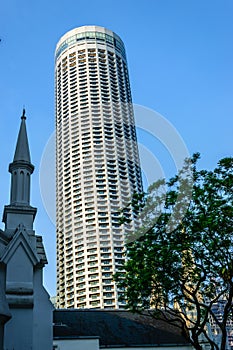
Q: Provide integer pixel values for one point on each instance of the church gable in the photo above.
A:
(20, 248)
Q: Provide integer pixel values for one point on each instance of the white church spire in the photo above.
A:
(21, 168)
(22, 259)
(19, 211)
(22, 152)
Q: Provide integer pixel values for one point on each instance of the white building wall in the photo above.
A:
(76, 344)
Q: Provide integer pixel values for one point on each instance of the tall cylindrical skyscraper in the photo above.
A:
(97, 165)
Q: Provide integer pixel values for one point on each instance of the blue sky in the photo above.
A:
(180, 58)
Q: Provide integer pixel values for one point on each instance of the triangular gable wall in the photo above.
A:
(20, 238)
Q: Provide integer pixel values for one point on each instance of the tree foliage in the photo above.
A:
(180, 262)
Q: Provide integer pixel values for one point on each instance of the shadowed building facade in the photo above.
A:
(24, 301)
(97, 165)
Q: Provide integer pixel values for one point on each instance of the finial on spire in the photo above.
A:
(23, 115)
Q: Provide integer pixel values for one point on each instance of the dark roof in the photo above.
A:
(115, 327)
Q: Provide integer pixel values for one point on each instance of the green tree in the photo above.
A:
(180, 262)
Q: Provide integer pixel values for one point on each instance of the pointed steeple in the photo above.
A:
(22, 152)
(20, 211)
(21, 168)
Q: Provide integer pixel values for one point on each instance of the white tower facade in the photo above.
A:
(97, 165)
